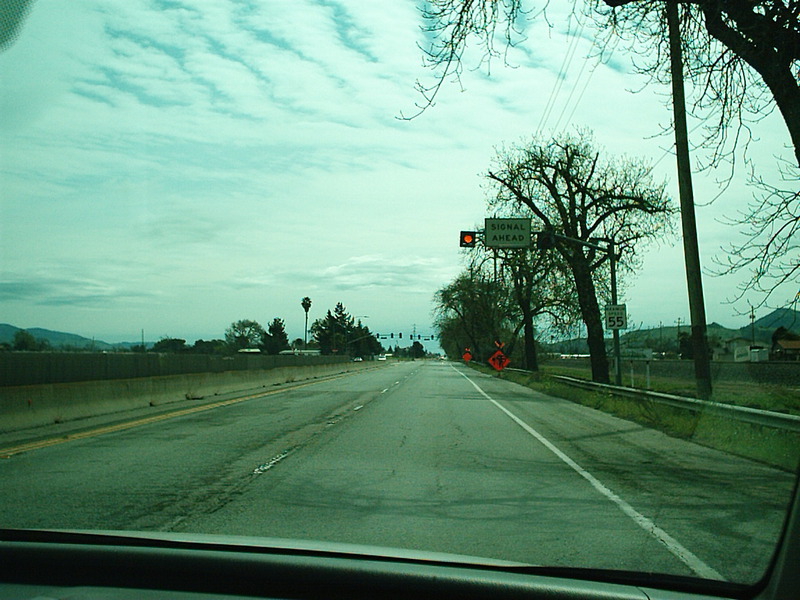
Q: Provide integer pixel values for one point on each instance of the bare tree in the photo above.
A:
(542, 288)
(742, 59)
(473, 311)
(572, 192)
(741, 55)
(452, 24)
(771, 248)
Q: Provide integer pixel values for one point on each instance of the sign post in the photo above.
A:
(616, 319)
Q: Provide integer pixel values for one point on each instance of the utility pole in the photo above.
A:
(617, 353)
(691, 253)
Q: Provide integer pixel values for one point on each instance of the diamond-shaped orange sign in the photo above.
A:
(467, 356)
(499, 360)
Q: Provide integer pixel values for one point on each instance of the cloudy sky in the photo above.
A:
(174, 166)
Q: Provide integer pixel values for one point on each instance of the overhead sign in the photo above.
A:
(499, 360)
(507, 233)
(616, 316)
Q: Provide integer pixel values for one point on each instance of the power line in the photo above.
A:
(562, 73)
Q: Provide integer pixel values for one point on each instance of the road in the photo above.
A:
(418, 455)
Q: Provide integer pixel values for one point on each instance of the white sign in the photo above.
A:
(507, 233)
(616, 316)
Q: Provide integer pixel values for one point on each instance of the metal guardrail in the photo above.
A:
(746, 414)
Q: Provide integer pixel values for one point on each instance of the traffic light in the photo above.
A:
(467, 239)
(545, 240)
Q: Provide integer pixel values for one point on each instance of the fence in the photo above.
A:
(37, 368)
(778, 373)
(745, 414)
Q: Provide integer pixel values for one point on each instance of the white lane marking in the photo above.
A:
(384, 391)
(682, 553)
(272, 462)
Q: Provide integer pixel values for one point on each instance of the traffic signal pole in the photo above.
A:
(691, 253)
(546, 240)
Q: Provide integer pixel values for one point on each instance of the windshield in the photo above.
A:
(340, 272)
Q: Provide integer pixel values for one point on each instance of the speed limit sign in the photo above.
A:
(616, 316)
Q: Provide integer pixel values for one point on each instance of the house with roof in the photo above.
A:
(737, 348)
(785, 349)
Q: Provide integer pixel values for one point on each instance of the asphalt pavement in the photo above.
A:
(426, 455)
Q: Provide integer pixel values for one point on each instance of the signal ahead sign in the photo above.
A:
(507, 233)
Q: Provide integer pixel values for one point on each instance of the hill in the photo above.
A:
(781, 317)
(57, 339)
(665, 337)
(763, 328)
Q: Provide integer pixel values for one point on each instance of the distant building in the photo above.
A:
(786, 350)
(738, 349)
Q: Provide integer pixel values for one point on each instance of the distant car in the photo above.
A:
(358, 359)
(381, 357)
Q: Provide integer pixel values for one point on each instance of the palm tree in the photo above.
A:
(306, 304)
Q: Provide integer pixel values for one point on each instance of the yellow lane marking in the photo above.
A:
(9, 452)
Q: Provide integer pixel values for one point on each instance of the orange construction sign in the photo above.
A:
(499, 360)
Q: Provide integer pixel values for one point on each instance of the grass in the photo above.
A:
(776, 398)
(771, 446)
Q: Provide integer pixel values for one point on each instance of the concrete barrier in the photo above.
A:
(39, 368)
(27, 406)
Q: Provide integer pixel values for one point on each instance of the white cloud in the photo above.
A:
(220, 159)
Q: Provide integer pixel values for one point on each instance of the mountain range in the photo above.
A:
(760, 330)
(59, 339)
